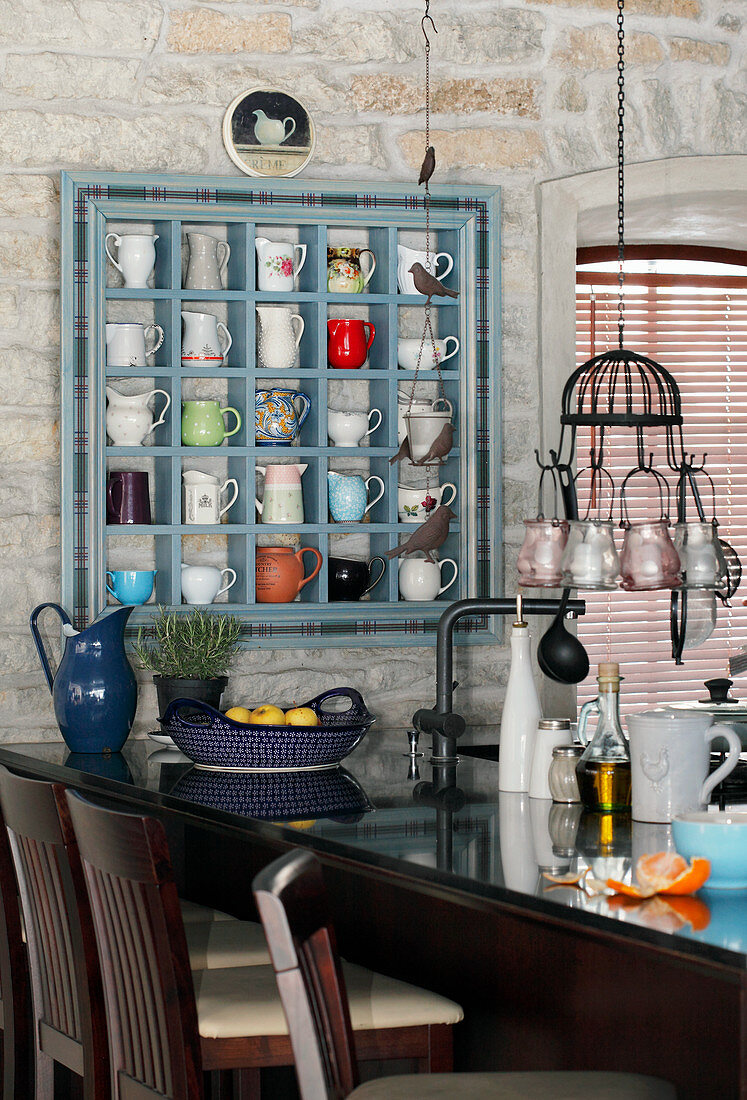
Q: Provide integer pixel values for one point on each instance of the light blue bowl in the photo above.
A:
(720, 837)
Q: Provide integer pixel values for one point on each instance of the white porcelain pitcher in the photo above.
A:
(201, 340)
(136, 256)
(277, 265)
(283, 498)
(126, 343)
(406, 257)
(201, 495)
(202, 583)
(208, 260)
(280, 332)
(129, 417)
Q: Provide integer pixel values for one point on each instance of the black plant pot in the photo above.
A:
(169, 688)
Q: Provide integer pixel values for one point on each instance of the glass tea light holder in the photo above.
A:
(590, 560)
(649, 560)
(701, 557)
(544, 542)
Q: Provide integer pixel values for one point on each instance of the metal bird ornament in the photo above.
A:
(429, 535)
(428, 284)
(439, 448)
(403, 452)
(428, 166)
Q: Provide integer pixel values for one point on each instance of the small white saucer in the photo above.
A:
(162, 739)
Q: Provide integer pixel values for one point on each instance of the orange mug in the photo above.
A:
(279, 573)
(348, 342)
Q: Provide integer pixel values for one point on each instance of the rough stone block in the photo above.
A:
(678, 9)
(349, 145)
(570, 96)
(29, 196)
(40, 373)
(204, 30)
(8, 308)
(593, 49)
(488, 149)
(81, 24)
(27, 436)
(704, 53)
(514, 96)
(105, 141)
(29, 256)
(53, 75)
(36, 321)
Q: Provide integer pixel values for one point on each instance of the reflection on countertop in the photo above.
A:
(448, 822)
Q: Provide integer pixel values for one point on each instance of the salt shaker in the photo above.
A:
(562, 779)
(550, 733)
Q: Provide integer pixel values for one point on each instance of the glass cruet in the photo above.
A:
(604, 768)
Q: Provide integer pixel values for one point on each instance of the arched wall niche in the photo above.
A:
(681, 200)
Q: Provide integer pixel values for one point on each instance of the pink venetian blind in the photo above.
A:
(690, 315)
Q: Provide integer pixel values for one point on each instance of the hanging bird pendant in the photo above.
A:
(428, 165)
(429, 535)
(428, 284)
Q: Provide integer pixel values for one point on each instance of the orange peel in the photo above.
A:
(664, 873)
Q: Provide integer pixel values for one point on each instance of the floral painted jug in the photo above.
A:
(344, 272)
(277, 420)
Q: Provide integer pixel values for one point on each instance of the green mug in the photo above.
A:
(202, 423)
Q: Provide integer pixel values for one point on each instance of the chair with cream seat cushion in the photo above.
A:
(292, 903)
(167, 1024)
(193, 913)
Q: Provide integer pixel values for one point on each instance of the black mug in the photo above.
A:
(350, 579)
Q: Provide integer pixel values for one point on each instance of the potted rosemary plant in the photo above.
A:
(189, 655)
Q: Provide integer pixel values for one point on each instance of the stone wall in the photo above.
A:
(521, 93)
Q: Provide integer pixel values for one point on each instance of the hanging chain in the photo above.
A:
(620, 170)
(427, 326)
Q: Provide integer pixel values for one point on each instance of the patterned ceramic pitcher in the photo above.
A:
(277, 420)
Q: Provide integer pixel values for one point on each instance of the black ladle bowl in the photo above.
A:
(560, 654)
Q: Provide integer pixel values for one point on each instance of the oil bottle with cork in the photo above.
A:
(604, 768)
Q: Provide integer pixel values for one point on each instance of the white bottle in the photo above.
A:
(521, 712)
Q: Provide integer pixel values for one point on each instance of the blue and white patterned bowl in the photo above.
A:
(211, 740)
(276, 796)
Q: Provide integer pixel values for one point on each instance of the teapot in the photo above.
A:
(283, 497)
(94, 691)
(129, 418)
(272, 131)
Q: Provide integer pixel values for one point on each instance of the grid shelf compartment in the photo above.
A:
(464, 223)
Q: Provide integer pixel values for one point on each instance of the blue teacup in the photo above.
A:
(131, 586)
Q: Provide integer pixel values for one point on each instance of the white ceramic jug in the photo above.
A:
(126, 343)
(277, 266)
(202, 583)
(280, 332)
(137, 256)
(283, 498)
(201, 495)
(129, 417)
(208, 260)
(406, 257)
(201, 340)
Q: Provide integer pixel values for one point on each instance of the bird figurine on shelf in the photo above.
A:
(439, 448)
(429, 535)
(428, 166)
(428, 284)
(403, 452)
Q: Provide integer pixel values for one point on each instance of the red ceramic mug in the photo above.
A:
(348, 342)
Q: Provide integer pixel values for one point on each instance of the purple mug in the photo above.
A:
(127, 497)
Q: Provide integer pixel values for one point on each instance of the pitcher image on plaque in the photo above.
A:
(268, 133)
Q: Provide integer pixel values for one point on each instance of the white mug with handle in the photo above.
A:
(421, 580)
(670, 755)
(201, 584)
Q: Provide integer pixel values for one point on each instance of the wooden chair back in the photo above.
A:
(292, 904)
(148, 991)
(15, 989)
(68, 1011)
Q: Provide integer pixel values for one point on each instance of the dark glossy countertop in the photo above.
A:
(385, 810)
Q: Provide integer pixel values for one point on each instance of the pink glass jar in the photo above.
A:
(541, 553)
(649, 560)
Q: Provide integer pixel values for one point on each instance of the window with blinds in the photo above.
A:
(690, 315)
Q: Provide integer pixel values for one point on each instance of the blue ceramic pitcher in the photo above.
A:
(94, 690)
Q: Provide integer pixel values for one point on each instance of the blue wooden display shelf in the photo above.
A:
(464, 222)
